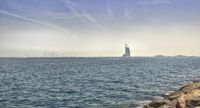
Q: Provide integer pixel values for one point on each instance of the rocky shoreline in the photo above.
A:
(188, 96)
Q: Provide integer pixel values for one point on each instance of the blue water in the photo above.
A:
(91, 82)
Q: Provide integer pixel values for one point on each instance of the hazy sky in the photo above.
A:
(99, 27)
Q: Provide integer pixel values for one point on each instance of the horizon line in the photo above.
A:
(158, 56)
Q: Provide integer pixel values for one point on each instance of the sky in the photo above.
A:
(99, 27)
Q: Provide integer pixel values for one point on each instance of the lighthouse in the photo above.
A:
(127, 51)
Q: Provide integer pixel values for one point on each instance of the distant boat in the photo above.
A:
(127, 51)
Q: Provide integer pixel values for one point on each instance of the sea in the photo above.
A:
(93, 82)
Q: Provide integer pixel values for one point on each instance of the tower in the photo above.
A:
(127, 51)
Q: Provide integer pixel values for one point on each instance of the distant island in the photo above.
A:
(159, 56)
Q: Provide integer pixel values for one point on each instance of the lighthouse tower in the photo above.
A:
(127, 51)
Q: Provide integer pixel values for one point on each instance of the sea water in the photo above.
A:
(91, 82)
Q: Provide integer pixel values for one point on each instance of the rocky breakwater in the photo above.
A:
(188, 96)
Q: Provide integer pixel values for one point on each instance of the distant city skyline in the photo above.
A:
(99, 27)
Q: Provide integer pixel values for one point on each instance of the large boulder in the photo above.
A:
(185, 89)
(187, 96)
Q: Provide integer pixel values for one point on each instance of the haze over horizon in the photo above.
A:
(99, 27)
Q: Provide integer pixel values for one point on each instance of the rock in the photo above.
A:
(174, 95)
(185, 89)
(156, 104)
(190, 87)
(181, 101)
(191, 98)
(195, 102)
(170, 104)
(187, 96)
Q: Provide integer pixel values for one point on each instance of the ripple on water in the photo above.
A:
(91, 82)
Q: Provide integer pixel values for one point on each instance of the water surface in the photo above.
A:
(91, 82)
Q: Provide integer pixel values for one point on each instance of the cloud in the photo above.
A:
(126, 12)
(109, 11)
(39, 22)
(59, 15)
(155, 2)
(71, 5)
(94, 21)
